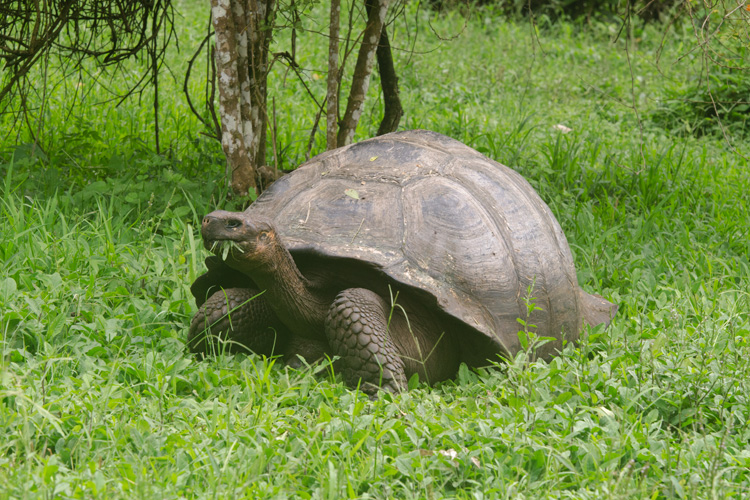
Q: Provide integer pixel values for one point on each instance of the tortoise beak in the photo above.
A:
(221, 225)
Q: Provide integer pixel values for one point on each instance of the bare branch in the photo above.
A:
(65, 32)
(186, 90)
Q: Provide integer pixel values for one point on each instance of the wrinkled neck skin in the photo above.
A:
(295, 299)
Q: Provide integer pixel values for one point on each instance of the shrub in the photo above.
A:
(648, 10)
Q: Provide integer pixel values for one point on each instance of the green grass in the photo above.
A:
(98, 398)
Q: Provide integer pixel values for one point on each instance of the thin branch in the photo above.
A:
(186, 90)
(332, 111)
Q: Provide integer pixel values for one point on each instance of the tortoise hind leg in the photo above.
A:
(597, 309)
(236, 320)
(357, 331)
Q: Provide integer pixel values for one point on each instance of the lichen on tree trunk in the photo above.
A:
(243, 35)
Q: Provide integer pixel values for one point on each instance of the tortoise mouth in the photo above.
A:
(225, 248)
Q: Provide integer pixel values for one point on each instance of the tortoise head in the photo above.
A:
(243, 242)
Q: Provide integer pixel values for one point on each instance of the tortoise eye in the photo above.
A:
(233, 223)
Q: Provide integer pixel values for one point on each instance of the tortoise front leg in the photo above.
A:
(236, 320)
(357, 331)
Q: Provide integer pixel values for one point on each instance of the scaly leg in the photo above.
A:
(357, 331)
(235, 320)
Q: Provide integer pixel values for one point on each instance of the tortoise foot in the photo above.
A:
(357, 331)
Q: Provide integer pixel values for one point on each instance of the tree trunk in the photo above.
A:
(243, 35)
(362, 71)
(332, 99)
(392, 110)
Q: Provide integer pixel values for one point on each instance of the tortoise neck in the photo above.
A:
(297, 302)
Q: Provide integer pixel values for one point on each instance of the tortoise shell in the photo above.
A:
(433, 216)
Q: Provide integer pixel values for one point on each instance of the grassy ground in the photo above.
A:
(99, 400)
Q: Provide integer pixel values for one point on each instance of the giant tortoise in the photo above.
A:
(407, 253)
